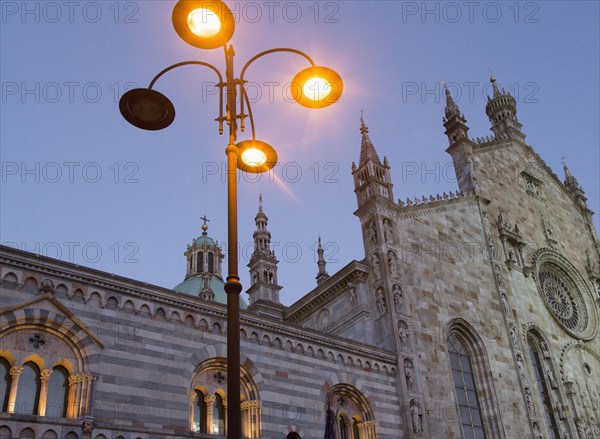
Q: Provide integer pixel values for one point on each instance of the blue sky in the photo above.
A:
(79, 183)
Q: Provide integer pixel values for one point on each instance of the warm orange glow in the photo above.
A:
(254, 157)
(317, 89)
(204, 22)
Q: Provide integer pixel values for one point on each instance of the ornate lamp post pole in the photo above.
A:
(210, 25)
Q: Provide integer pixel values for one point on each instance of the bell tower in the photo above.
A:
(371, 177)
(264, 292)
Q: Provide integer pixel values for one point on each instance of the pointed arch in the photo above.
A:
(544, 378)
(473, 381)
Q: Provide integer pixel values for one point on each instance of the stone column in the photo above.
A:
(245, 407)
(15, 373)
(192, 399)
(44, 378)
(75, 393)
(225, 408)
(251, 426)
(210, 407)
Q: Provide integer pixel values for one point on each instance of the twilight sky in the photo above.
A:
(81, 184)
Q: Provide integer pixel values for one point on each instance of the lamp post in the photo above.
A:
(210, 25)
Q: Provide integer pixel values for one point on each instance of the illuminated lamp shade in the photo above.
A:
(317, 87)
(147, 109)
(206, 24)
(255, 157)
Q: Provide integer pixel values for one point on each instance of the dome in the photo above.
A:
(192, 286)
(204, 240)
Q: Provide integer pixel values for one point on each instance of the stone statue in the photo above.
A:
(492, 248)
(397, 298)
(381, 302)
(551, 379)
(560, 410)
(376, 267)
(393, 264)
(529, 401)
(372, 232)
(545, 350)
(521, 366)
(388, 233)
(351, 293)
(505, 304)
(408, 374)
(513, 336)
(403, 335)
(47, 287)
(416, 417)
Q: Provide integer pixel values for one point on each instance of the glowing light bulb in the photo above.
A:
(254, 157)
(204, 22)
(317, 89)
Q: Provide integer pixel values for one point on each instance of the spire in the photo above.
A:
(451, 107)
(322, 275)
(494, 87)
(264, 291)
(572, 186)
(568, 175)
(367, 150)
(502, 111)
(262, 237)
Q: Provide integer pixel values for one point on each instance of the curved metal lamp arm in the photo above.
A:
(266, 52)
(245, 97)
(185, 63)
(220, 84)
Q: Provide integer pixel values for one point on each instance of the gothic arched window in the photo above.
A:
(543, 387)
(200, 412)
(466, 391)
(5, 382)
(58, 390)
(28, 392)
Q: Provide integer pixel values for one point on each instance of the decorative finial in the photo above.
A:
(260, 206)
(204, 226)
(492, 77)
(363, 126)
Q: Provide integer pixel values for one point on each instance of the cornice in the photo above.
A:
(353, 272)
(94, 278)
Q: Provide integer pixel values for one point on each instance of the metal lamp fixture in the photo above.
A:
(210, 25)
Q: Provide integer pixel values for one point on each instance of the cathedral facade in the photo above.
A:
(474, 314)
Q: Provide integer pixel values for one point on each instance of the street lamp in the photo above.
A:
(210, 25)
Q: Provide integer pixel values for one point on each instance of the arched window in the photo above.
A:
(28, 391)
(211, 262)
(5, 382)
(355, 433)
(466, 392)
(350, 411)
(543, 387)
(200, 261)
(219, 416)
(199, 412)
(342, 428)
(58, 390)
